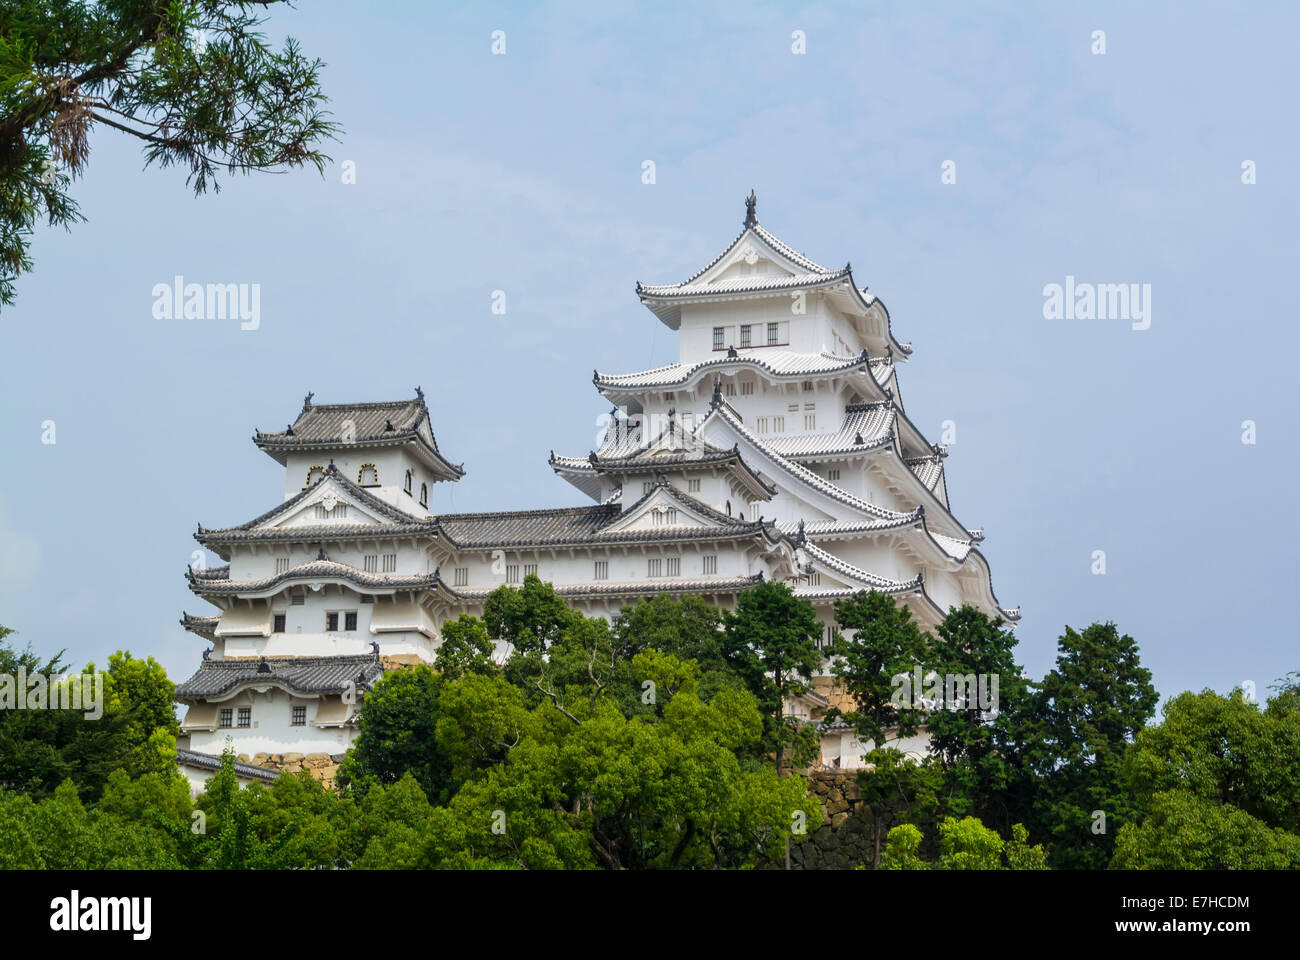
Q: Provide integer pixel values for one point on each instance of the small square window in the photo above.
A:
(226, 718)
(299, 717)
(461, 576)
(245, 717)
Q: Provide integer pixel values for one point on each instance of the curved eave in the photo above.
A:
(683, 534)
(279, 446)
(730, 460)
(316, 572)
(801, 474)
(578, 472)
(219, 541)
(615, 386)
(204, 627)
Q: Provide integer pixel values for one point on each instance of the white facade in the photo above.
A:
(777, 447)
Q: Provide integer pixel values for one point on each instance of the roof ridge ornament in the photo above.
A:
(419, 394)
(717, 392)
(751, 218)
(307, 400)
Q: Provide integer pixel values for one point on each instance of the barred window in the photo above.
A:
(710, 565)
(461, 577)
(530, 568)
(350, 620)
(512, 573)
(298, 597)
(810, 421)
(772, 331)
(674, 566)
(719, 337)
(281, 565)
(833, 474)
(654, 567)
(277, 623)
(693, 486)
(299, 717)
(331, 622)
(747, 388)
(744, 335)
(370, 563)
(226, 718)
(602, 570)
(245, 717)
(390, 562)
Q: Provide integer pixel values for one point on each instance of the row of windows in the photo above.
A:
(424, 489)
(776, 424)
(747, 335)
(332, 619)
(655, 567)
(369, 563)
(227, 718)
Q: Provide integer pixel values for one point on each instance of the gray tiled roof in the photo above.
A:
(321, 426)
(300, 674)
(206, 761)
(401, 523)
(202, 626)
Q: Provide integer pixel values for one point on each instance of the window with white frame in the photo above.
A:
(744, 335)
(460, 577)
(299, 717)
(368, 475)
(281, 565)
(833, 475)
(245, 717)
(226, 718)
(719, 337)
(370, 563)
(760, 425)
(773, 333)
(512, 573)
(710, 564)
(747, 388)
(390, 563)
(810, 421)
(674, 566)
(530, 568)
(601, 571)
(655, 567)
(693, 485)
(778, 424)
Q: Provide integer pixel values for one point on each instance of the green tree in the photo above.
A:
(192, 80)
(970, 644)
(1070, 739)
(771, 641)
(878, 641)
(465, 648)
(398, 736)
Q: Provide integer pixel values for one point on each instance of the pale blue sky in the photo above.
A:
(523, 173)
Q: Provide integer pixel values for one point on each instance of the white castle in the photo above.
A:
(776, 447)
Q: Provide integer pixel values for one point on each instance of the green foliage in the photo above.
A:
(885, 641)
(466, 648)
(40, 749)
(193, 80)
(964, 844)
(1066, 743)
(770, 642)
(399, 736)
(976, 772)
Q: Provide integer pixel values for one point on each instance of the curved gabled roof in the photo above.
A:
(664, 299)
(322, 426)
(400, 523)
(311, 675)
(871, 581)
